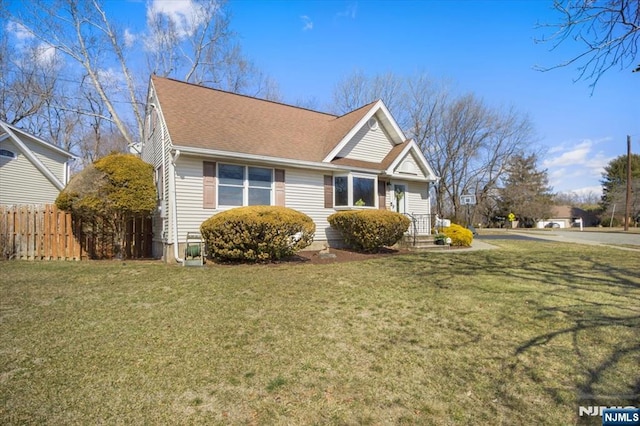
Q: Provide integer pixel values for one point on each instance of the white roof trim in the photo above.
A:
(31, 157)
(412, 146)
(276, 161)
(38, 140)
(389, 122)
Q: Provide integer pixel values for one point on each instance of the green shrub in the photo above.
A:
(460, 236)
(369, 230)
(257, 233)
(607, 222)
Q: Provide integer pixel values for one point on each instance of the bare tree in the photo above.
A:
(30, 79)
(468, 143)
(82, 32)
(104, 85)
(607, 30)
(351, 93)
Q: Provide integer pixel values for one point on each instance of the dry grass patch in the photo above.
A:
(511, 336)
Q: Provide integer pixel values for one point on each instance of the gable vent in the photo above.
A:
(373, 124)
(408, 167)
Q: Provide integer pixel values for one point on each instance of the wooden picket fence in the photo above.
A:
(43, 232)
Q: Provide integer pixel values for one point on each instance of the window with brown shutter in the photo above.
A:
(209, 184)
(328, 191)
(280, 190)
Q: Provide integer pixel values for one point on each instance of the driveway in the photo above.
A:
(587, 237)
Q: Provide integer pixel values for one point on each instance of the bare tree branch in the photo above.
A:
(608, 30)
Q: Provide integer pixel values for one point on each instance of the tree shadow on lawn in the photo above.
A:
(582, 297)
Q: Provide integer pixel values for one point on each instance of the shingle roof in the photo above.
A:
(206, 118)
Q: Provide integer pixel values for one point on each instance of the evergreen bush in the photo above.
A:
(369, 230)
(257, 233)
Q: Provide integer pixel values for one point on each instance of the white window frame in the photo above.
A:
(245, 185)
(350, 201)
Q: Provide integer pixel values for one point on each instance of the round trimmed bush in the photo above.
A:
(460, 236)
(369, 230)
(257, 233)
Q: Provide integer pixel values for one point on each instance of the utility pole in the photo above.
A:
(627, 210)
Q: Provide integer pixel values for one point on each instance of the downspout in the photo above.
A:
(174, 215)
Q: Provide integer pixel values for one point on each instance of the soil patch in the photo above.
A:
(339, 255)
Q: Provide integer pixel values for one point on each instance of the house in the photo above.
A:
(214, 150)
(32, 171)
(567, 216)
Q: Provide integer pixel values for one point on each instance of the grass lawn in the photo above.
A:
(511, 336)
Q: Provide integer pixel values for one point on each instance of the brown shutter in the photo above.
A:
(328, 191)
(382, 194)
(209, 184)
(280, 194)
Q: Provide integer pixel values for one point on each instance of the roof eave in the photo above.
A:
(279, 161)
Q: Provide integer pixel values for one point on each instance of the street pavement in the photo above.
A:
(612, 239)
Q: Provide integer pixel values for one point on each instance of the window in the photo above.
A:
(259, 186)
(244, 186)
(341, 184)
(354, 191)
(7, 153)
(364, 192)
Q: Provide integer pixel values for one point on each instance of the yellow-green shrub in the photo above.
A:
(369, 230)
(257, 233)
(460, 236)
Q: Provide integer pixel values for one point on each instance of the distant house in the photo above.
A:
(565, 217)
(214, 150)
(32, 171)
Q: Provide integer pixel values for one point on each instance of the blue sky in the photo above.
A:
(484, 47)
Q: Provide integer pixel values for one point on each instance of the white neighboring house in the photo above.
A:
(214, 150)
(32, 171)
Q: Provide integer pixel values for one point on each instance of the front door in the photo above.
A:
(400, 197)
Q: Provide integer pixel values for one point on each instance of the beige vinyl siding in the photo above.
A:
(152, 154)
(52, 160)
(368, 145)
(189, 196)
(418, 198)
(305, 193)
(21, 182)
(410, 163)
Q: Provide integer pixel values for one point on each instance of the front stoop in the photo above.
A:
(422, 243)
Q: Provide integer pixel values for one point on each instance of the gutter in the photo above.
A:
(298, 164)
(301, 164)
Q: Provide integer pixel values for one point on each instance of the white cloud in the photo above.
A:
(588, 190)
(185, 14)
(129, 38)
(308, 23)
(349, 12)
(19, 31)
(573, 156)
(576, 165)
(45, 54)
